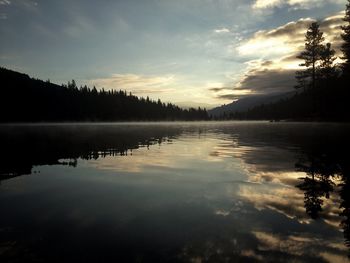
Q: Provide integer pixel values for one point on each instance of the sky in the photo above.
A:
(189, 52)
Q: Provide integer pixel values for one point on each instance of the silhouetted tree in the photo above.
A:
(311, 55)
(346, 44)
(327, 68)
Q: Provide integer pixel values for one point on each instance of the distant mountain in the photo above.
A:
(249, 102)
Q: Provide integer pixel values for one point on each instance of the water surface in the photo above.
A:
(175, 192)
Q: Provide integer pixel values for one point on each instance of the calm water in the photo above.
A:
(178, 192)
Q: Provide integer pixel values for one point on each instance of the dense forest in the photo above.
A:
(24, 99)
(322, 90)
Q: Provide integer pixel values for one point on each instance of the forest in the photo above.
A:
(24, 99)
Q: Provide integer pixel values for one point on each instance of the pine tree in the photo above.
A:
(346, 45)
(327, 69)
(311, 56)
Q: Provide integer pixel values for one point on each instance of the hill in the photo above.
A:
(247, 103)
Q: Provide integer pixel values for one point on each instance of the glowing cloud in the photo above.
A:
(138, 84)
(267, 3)
(276, 42)
(222, 30)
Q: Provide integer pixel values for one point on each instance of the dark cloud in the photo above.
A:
(267, 63)
(268, 81)
(228, 97)
(260, 82)
(218, 89)
(290, 58)
(215, 89)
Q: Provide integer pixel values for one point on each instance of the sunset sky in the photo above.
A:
(190, 52)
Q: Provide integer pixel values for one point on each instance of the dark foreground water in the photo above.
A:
(178, 192)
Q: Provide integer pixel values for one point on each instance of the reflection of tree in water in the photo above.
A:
(23, 147)
(319, 182)
(345, 205)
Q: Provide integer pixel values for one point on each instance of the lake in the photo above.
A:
(175, 192)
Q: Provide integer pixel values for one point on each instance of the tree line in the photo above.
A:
(24, 99)
(322, 91)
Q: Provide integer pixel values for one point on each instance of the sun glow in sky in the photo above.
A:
(190, 52)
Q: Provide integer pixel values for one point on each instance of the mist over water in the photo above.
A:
(175, 192)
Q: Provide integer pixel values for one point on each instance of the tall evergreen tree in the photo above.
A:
(311, 56)
(346, 45)
(327, 68)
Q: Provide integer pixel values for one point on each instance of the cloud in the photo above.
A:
(227, 92)
(222, 30)
(138, 84)
(331, 26)
(5, 2)
(267, 81)
(295, 4)
(262, 77)
(290, 30)
(235, 94)
(276, 42)
(218, 89)
(277, 197)
(267, 3)
(301, 245)
(289, 38)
